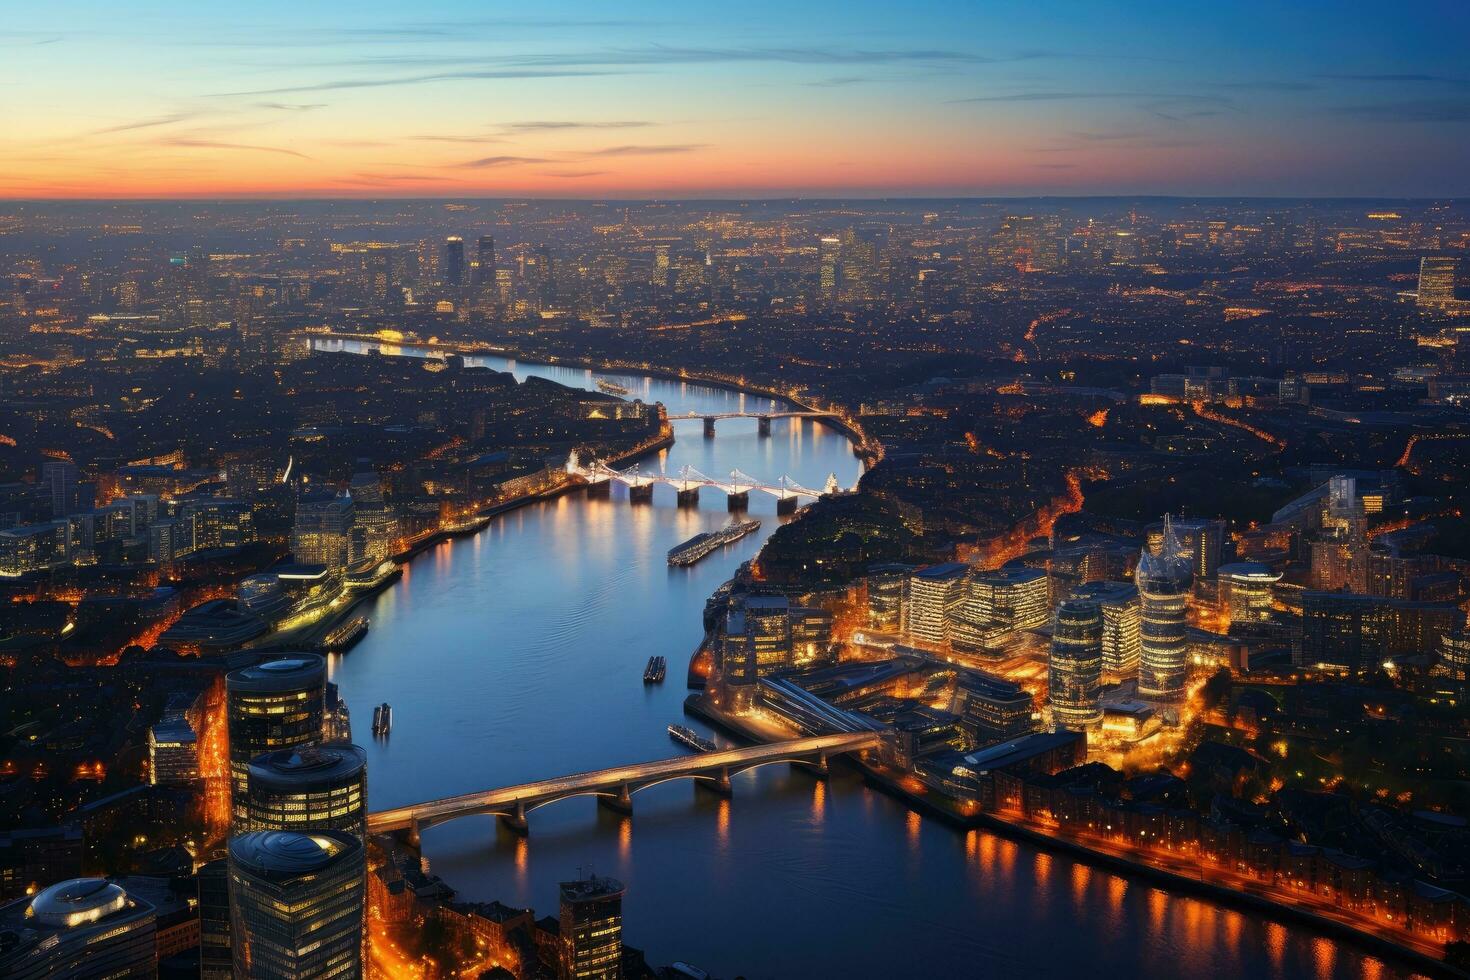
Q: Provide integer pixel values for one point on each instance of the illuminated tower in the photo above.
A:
(829, 257)
(296, 904)
(279, 704)
(592, 929)
(1075, 666)
(454, 261)
(314, 787)
(1437, 276)
(1121, 628)
(1163, 585)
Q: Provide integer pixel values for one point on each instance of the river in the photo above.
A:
(518, 653)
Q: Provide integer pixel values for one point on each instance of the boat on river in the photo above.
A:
(655, 671)
(705, 542)
(383, 719)
(611, 387)
(346, 636)
(691, 739)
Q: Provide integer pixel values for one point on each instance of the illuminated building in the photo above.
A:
(278, 704)
(485, 263)
(995, 709)
(1246, 591)
(173, 752)
(1437, 278)
(216, 959)
(296, 904)
(1454, 654)
(321, 532)
(81, 929)
(591, 938)
(1201, 541)
(374, 525)
(829, 274)
(1163, 587)
(60, 477)
(454, 261)
(886, 587)
(1121, 635)
(313, 787)
(1357, 633)
(996, 604)
(932, 592)
(1074, 669)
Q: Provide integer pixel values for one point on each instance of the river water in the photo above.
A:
(518, 654)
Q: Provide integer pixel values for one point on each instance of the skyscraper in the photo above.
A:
(278, 704)
(296, 904)
(1437, 277)
(311, 787)
(829, 275)
(454, 261)
(80, 929)
(932, 592)
(216, 960)
(1163, 585)
(592, 929)
(60, 477)
(485, 263)
(1121, 641)
(1076, 664)
(321, 534)
(996, 604)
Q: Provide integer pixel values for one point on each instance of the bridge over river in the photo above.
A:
(615, 787)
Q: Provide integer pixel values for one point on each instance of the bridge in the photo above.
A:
(688, 481)
(614, 788)
(763, 425)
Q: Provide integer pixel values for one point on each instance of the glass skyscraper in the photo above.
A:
(1076, 664)
(1163, 585)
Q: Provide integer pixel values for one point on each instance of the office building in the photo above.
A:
(1437, 280)
(60, 478)
(311, 787)
(591, 936)
(1359, 633)
(1247, 591)
(829, 274)
(453, 261)
(296, 904)
(216, 959)
(278, 704)
(1201, 541)
(1074, 670)
(321, 533)
(994, 709)
(1121, 636)
(1454, 654)
(1163, 586)
(173, 753)
(887, 586)
(485, 263)
(80, 929)
(932, 593)
(995, 605)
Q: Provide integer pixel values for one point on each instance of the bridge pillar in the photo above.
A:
(516, 821)
(719, 784)
(411, 836)
(738, 501)
(763, 426)
(622, 803)
(689, 497)
(640, 494)
(820, 768)
(786, 505)
(709, 427)
(599, 488)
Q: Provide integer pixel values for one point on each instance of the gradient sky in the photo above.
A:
(659, 99)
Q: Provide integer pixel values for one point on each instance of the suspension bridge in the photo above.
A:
(688, 481)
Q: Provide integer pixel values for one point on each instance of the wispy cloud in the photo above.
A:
(1266, 85)
(291, 106)
(501, 161)
(571, 174)
(644, 150)
(168, 120)
(433, 138)
(1396, 78)
(1075, 96)
(201, 144)
(538, 125)
(450, 76)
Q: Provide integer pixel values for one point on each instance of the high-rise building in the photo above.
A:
(216, 959)
(1121, 639)
(1437, 280)
(591, 934)
(1163, 586)
(1074, 670)
(1454, 654)
(997, 604)
(829, 274)
(278, 704)
(322, 532)
(60, 477)
(932, 593)
(81, 929)
(173, 753)
(485, 263)
(1202, 541)
(1247, 591)
(454, 261)
(1357, 633)
(312, 787)
(887, 585)
(296, 904)
(994, 709)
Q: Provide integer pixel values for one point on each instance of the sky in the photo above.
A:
(589, 98)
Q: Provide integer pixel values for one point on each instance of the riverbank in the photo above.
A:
(1426, 960)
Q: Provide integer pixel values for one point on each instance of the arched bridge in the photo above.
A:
(688, 481)
(763, 419)
(615, 787)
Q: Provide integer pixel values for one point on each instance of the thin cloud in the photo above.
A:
(639, 150)
(199, 144)
(1077, 96)
(1266, 86)
(573, 174)
(452, 76)
(539, 125)
(459, 139)
(291, 106)
(1391, 77)
(168, 120)
(501, 161)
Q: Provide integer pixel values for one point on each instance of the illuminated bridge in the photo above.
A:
(614, 788)
(688, 481)
(763, 419)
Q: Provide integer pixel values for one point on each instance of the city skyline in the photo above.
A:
(821, 100)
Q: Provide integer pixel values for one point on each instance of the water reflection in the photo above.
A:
(518, 654)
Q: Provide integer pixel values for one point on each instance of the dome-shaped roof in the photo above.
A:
(78, 901)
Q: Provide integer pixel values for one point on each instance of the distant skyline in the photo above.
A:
(758, 99)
